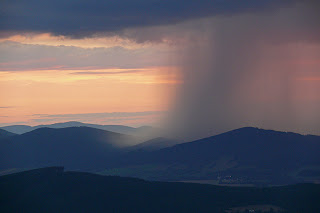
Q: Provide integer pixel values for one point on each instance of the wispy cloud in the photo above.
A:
(100, 115)
(12, 123)
(31, 57)
(109, 73)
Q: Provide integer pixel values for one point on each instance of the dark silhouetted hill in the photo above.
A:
(73, 147)
(154, 144)
(243, 156)
(53, 190)
(5, 134)
(248, 154)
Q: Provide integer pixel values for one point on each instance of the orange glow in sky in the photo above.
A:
(70, 91)
(48, 39)
(27, 91)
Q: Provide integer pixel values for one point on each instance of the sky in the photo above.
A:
(195, 68)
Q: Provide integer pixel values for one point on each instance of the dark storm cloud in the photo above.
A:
(81, 18)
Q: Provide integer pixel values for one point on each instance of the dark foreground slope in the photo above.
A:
(248, 155)
(52, 190)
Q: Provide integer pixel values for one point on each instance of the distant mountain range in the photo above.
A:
(242, 156)
(246, 155)
(53, 190)
(20, 129)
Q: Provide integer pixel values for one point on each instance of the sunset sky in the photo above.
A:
(43, 76)
(141, 62)
(106, 79)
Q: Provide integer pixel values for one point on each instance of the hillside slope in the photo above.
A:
(53, 190)
(5, 134)
(247, 154)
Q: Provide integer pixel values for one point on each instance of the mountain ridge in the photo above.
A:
(55, 190)
(5, 134)
(20, 129)
(249, 153)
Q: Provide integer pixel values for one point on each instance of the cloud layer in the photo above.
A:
(82, 18)
(19, 57)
